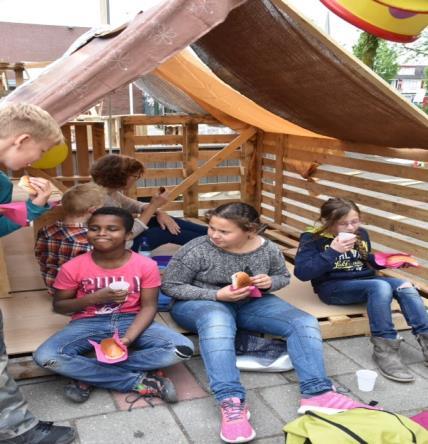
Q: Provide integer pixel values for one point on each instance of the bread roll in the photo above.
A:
(241, 279)
(25, 184)
(111, 349)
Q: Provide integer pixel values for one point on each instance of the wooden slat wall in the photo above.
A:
(393, 196)
(185, 150)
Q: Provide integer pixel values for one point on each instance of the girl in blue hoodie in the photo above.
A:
(342, 271)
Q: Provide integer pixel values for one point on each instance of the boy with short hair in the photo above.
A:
(26, 132)
(65, 239)
(82, 288)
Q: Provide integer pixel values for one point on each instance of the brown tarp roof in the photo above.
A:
(270, 54)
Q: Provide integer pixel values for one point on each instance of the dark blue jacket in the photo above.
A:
(317, 262)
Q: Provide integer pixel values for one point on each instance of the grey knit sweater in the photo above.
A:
(199, 269)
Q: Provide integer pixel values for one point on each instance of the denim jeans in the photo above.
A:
(156, 236)
(64, 352)
(378, 293)
(216, 324)
(15, 418)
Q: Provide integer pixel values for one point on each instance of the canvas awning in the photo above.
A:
(272, 55)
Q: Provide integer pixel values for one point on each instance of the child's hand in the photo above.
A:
(262, 281)
(43, 190)
(226, 294)
(125, 341)
(342, 246)
(107, 296)
(159, 199)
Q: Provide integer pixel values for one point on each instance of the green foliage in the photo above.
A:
(377, 54)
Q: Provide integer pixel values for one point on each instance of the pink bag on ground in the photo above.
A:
(101, 356)
(421, 418)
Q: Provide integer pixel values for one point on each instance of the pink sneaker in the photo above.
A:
(235, 426)
(331, 402)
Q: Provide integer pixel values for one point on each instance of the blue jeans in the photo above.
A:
(378, 293)
(156, 236)
(216, 324)
(64, 352)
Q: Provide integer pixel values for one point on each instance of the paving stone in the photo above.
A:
(277, 439)
(335, 363)
(284, 400)
(155, 425)
(249, 380)
(46, 401)
(360, 350)
(186, 386)
(201, 418)
(393, 396)
(420, 369)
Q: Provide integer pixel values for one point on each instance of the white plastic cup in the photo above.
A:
(119, 286)
(366, 380)
(344, 236)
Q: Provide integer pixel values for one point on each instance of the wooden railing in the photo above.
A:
(392, 196)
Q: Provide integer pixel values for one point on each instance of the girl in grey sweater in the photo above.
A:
(199, 278)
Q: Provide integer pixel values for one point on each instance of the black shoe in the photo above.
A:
(77, 391)
(45, 433)
(155, 385)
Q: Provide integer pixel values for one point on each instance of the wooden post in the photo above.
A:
(250, 175)
(127, 147)
(190, 161)
(67, 167)
(98, 141)
(19, 73)
(279, 149)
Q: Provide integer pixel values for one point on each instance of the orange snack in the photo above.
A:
(398, 259)
(111, 349)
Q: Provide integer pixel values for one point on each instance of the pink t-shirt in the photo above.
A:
(84, 275)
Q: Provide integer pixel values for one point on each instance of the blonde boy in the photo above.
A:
(66, 238)
(26, 132)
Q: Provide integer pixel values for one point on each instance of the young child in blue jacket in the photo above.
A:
(342, 270)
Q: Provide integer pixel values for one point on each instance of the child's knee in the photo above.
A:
(405, 285)
(45, 358)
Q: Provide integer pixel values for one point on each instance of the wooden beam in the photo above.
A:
(215, 160)
(190, 164)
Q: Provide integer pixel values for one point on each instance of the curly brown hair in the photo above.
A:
(113, 170)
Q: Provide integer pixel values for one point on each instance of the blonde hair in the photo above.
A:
(77, 200)
(22, 118)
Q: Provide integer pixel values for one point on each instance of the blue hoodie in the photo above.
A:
(33, 211)
(317, 262)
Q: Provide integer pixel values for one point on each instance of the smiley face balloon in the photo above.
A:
(399, 21)
(52, 158)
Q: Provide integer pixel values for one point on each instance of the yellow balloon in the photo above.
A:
(52, 158)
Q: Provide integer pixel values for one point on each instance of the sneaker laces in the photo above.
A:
(232, 410)
(150, 387)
